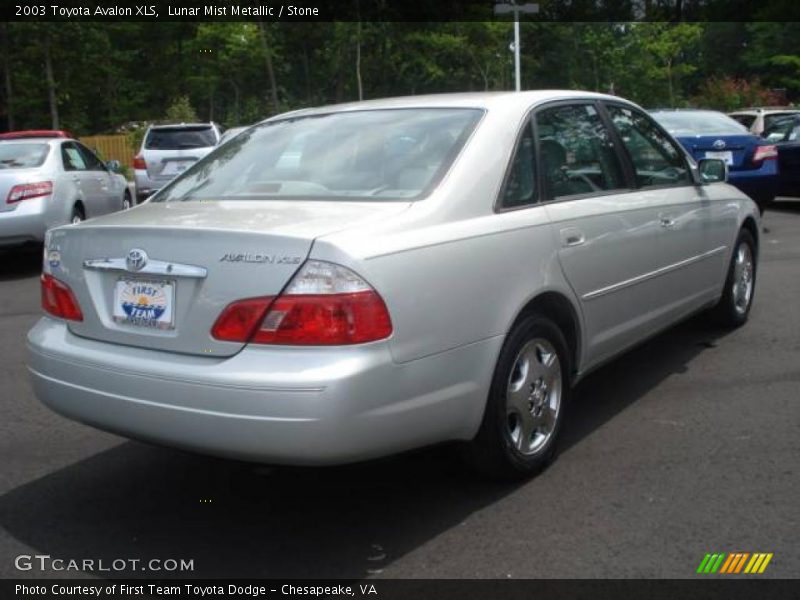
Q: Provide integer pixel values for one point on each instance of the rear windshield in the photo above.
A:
(699, 122)
(393, 154)
(22, 156)
(179, 138)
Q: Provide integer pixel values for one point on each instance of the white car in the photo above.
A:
(168, 150)
(48, 179)
(758, 120)
(418, 270)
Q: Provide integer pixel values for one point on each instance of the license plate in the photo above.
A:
(144, 303)
(725, 155)
(175, 167)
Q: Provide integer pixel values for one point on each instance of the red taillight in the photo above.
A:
(325, 320)
(324, 305)
(765, 153)
(239, 320)
(26, 191)
(58, 300)
(138, 163)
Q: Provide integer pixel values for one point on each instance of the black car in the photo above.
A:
(785, 134)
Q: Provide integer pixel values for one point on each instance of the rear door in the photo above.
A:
(77, 169)
(103, 186)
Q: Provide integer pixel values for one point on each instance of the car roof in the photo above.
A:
(179, 125)
(36, 134)
(480, 100)
(764, 111)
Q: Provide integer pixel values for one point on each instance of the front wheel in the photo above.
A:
(737, 296)
(525, 408)
(126, 201)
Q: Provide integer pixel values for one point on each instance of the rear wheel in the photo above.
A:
(737, 296)
(526, 402)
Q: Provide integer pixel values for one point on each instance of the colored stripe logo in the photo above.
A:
(734, 563)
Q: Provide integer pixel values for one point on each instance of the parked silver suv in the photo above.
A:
(168, 150)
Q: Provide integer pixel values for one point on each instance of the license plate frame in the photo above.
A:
(144, 303)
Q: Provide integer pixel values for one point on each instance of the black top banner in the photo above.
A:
(399, 10)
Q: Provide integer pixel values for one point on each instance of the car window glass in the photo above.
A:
(90, 159)
(771, 119)
(22, 156)
(72, 157)
(779, 130)
(795, 134)
(520, 186)
(746, 120)
(656, 159)
(576, 154)
(180, 138)
(379, 154)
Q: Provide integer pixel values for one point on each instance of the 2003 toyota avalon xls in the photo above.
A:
(343, 283)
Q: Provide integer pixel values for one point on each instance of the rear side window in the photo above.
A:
(180, 138)
(576, 154)
(22, 156)
(656, 159)
(72, 157)
(771, 119)
(746, 120)
(520, 186)
(780, 130)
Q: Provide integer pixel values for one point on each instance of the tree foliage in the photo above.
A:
(102, 76)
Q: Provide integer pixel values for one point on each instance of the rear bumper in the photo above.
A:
(26, 223)
(762, 183)
(304, 406)
(145, 185)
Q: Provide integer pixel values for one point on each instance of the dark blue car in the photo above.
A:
(752, 161)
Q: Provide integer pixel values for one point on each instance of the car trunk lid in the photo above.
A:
(200, 257)
(736, 150)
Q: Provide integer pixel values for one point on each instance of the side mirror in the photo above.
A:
(113, 166)
(712, 170)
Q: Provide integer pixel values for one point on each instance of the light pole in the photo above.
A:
(506, 8)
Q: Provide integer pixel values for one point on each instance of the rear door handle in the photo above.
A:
(667, 222)
(572, 236)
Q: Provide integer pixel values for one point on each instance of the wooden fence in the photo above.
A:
(111, 147)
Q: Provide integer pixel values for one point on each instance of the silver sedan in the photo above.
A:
(352, 281)
(50, 180)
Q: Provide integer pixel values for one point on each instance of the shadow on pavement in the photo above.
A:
(20, 263)
(237, 520)
(785, 205)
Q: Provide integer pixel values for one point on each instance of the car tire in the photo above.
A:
(126, 201)
(527, 399)
(77, 215)
(733, 308)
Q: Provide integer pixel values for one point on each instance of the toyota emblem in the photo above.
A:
(136, 260)
(719, 144)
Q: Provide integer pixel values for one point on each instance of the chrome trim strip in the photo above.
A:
(657, 273)
(153, 267)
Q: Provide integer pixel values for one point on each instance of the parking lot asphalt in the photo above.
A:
(688, 444)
